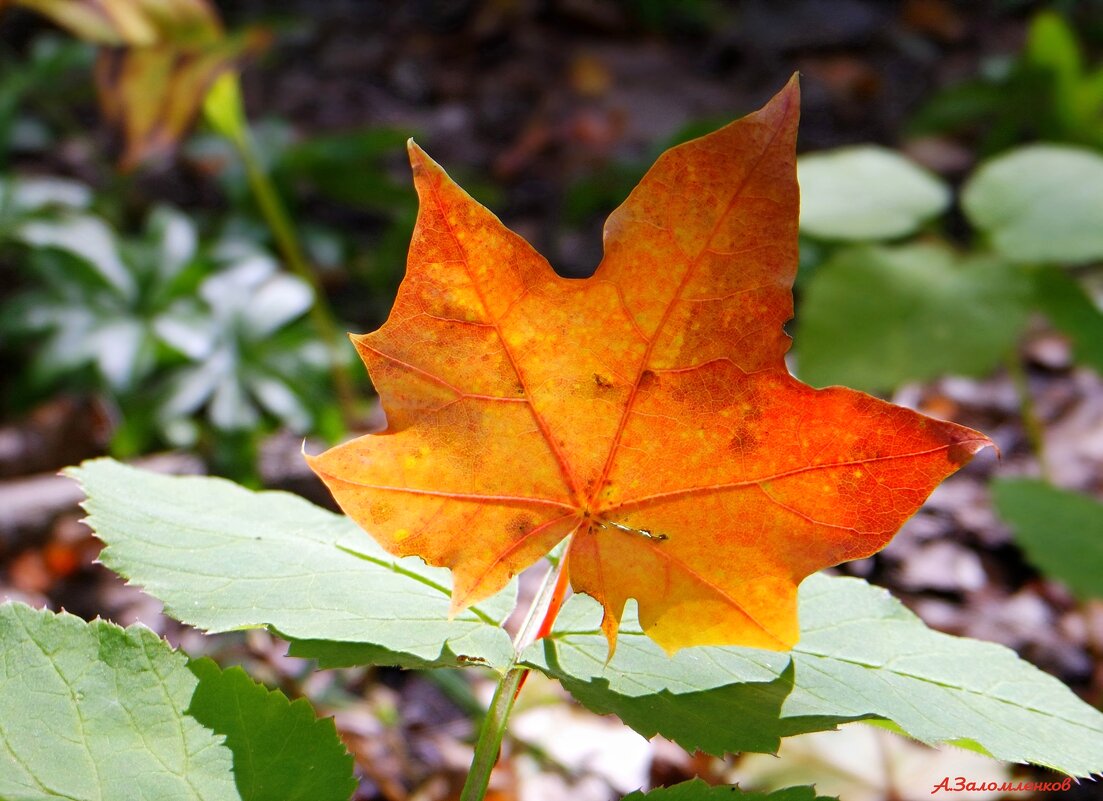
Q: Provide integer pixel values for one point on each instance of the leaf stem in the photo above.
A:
(493, 728)
(491, 733)
(1032, 424)
(225, 111)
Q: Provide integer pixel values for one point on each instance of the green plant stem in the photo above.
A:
(279, 222)
(493, 727)
(1035, 433)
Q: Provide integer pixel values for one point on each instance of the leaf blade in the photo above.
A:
(224, 558)
(280, 749)
(1040, 203)
(876, 317)
(864, 193)
(112, 701)
(862, 655)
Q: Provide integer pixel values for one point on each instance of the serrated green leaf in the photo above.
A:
(1040, 203)
(1060, 531)
(681, 697)
(861, 655)
(876, 317)
(866, 193)
(91, 711)
(222, 557)
(280, 749)
(697, 790)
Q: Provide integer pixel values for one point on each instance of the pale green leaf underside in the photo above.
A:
(697, 790)
(866, 193)
(221, 558)
(94, 712)
(861, 655)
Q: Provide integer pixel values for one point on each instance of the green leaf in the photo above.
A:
(866, 193)
(224, 109)
(862, 655)
(697, 790)
(1060, 531)
(280, 749)
(1052, 44)
(1040, 203)
(876, 317)
(24, 195)
(689, 697)
(1061, 298)
(1052, 48)
(88, 238)
(92, 711)
(221, 558)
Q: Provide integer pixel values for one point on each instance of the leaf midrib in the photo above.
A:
(570, 479)
(690, 271)
(94, 522)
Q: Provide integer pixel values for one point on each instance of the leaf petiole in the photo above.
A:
(538, 621)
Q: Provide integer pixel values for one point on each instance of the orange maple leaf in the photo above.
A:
(645, 412)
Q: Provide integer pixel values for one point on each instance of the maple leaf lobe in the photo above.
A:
(646, 411)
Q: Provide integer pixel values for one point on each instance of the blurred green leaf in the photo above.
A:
(1044, 93)
(108, 301)
(866, 193)
(171, 327)
(998, 108)
(1061, 298)
(26, 195)
(1040, 203)
(877, 317)
(1052, 48)
(88, 238)
(224, 108)
(259, 358)
(29, 83)
(1051, 45)
(348, 168)
(1061, 532)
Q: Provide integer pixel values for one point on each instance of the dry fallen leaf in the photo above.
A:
(645, 412)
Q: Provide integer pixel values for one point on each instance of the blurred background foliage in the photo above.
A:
(198, 199)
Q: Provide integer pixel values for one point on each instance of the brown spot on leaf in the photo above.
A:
(381, 511)
(520, 525)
